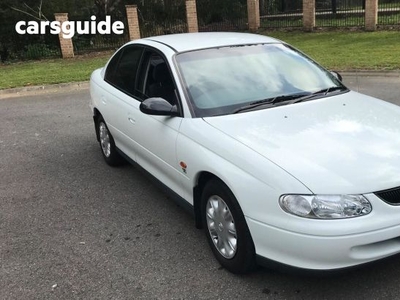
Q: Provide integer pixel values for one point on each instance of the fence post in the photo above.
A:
(133, 22)
(371, 14)
(309, 14)
(253, 14)
(67, 48)
(191, 16)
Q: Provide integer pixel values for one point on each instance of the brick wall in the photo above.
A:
(371, 14)
(309, 14)
(133, 22)
(191, 16)
(253, 11)
(67, 48)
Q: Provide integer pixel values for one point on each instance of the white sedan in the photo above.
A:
(275, 157)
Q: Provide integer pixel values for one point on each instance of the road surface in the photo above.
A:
(73, 228)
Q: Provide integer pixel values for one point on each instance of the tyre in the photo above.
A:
(107, 144)
(226, 228)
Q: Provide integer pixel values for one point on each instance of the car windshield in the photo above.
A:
(228, 79)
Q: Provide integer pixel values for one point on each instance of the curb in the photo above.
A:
(43, 89)
(54, 88)
(370, 73)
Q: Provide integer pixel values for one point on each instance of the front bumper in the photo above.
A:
(317, 252)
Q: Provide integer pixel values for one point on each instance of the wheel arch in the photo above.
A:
(96, 115)
(202, 178)
(243, 258)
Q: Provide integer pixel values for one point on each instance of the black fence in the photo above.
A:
(281, 13)
(14, 46)
(222, 15)
(89, 43)
(389, 12)
(329, 13)
(163, 17)
(340, 13)
(98, 42)
(169, 16)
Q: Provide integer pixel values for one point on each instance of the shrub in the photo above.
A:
(37, 51)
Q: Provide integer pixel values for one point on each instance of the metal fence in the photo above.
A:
(14, 46)
(163, 17)
(222, 15)
(389, 12)
(89, 43)
(169, 16)
(281, 13)
(340, 13)
(98, 42)
(85, 43)
(29, 47)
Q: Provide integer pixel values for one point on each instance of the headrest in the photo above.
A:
(161, 73)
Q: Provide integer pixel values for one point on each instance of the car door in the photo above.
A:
(119, 97)
(156, 136)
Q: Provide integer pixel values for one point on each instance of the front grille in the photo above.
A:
(391, 196)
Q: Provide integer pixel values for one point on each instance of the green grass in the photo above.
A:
(281, 23)
(381, 5)
(348, 50)
(51, 71)
(340, 51)
(325, 21)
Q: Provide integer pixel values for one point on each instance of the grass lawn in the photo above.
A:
(348, 50)
(51, 71)
(340, 51)
(325, 21)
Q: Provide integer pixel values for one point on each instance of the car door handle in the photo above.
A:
(103, 100)
(132, 121)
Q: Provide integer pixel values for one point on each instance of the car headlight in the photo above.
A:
(326, 206)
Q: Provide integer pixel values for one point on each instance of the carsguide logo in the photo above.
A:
(69, 28)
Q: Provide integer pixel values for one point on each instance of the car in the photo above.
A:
(276, 158)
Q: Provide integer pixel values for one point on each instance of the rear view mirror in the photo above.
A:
(158, 107)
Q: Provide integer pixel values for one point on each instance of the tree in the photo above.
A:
(106, 7)
(35, 13)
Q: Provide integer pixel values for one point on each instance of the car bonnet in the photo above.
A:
(348, 143)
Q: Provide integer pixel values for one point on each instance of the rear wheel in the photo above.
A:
(226, 228)
(107, 144)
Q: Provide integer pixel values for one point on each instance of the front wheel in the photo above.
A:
(107, 144)
(226, 228)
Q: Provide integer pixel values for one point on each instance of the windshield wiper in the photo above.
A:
(322, 92)
(295, 98)
(328, 90)
(270, 101)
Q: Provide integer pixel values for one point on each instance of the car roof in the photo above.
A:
(194, 41)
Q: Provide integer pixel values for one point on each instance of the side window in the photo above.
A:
(156, 79)
(122, 72)
(112, 67)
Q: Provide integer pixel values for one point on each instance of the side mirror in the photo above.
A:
(337, 75)
(158, 107)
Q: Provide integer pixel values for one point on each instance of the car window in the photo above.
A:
(122, 69)
(156, 79)
(112, 66)
(220, 80)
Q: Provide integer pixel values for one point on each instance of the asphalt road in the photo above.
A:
(73, 228)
